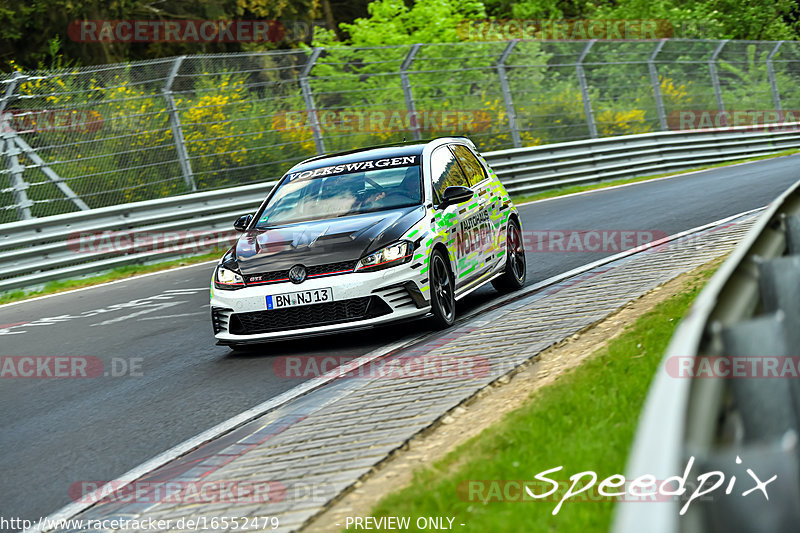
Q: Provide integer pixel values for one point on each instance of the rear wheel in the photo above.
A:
(515, 273)
(443, 301)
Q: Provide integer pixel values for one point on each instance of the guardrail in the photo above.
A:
(39, 250)
(745, 320)
(78, 138)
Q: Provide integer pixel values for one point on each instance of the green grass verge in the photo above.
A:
(584, 421)
(563, 191)
(111, 275)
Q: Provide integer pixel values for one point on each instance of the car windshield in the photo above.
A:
(316, 194)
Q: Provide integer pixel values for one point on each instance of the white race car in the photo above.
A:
(360, 238)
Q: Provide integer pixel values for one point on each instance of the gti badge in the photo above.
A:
(297, 274)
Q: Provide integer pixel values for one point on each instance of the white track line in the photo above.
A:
(107, 283)
(222, 428)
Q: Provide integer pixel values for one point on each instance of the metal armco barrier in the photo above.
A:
(40, 250)
(102, 135)
(724, 391)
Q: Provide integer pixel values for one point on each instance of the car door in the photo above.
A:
(491, 233)
(462, 220)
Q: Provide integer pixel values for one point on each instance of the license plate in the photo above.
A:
(293, 299)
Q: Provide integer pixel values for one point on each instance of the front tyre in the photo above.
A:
(443, 301)
(515, 272)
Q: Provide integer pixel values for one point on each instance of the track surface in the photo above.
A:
(56, 432)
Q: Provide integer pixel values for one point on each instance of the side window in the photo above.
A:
(446, 171)
(472, 167)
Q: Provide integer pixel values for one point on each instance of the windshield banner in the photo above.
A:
(375, 164)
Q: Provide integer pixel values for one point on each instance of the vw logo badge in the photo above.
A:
(297, 274)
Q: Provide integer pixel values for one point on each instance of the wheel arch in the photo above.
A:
(442, 248)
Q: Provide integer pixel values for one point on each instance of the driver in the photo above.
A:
(408, 188)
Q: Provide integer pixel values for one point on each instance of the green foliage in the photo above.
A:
(426, 21)
(712, 19)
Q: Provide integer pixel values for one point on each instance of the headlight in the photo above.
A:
(226, 278)
(394, 254)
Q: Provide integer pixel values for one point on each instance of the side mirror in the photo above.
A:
(455, 195)
(242, 222)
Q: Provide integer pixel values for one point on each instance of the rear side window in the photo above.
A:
(446, 171)
(470, 164)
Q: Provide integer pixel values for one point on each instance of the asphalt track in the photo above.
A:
(174, 382)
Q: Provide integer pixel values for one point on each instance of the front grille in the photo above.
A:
(308, 316)
(331, 268)
(317, 271)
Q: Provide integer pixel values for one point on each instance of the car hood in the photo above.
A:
(321, 242)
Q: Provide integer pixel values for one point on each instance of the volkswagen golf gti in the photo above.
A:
(366, 237)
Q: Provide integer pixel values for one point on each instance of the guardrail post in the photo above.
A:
(587, 104)
(18, 185)
(12, 86)
(773, 83)
(507, 99)
(308, 98)
(8, 148)
(404, 81)
(656, 83)
(175, 124)
(712, 68)
(7, 95)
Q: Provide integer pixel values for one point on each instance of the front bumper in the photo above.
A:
(360, 299)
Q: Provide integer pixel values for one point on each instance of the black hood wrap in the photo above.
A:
(321, 242)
